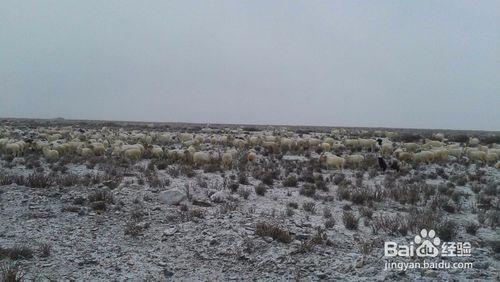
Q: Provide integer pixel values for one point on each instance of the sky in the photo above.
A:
(416, 64)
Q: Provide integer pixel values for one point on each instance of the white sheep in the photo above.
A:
(351, 143)
(473, 141)
(491, 157)
(254, 140)
(354, 160)
(286, 143)
(326, 147)
(476, 155)
(367, 144)
(333, 161)
(424, 156)
(439, 136)
(456, 152)
(86, 152)
(200, 158)
(313, 142)
(386, 148)
(482, 148)
(165, 138)
(497, 165)
(98, 148)
(251, 156)
(440, 154)
(329, 140)
(410, 147)
(184, 137)
(156, 151)
(227, 159)
(51, 155)
(133, 154)
(405, 156)
(432, 144)
(13, 149)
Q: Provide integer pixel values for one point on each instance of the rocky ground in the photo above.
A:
(205, 225)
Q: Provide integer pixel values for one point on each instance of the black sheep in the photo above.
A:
(382, 163)
(395, 165)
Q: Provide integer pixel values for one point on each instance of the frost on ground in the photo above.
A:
(286, 216)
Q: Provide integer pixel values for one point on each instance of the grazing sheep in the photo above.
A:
(432, 144)
(165, 138)
(397, 152)
(184, 137)
(405, 156)
(386, 148)
(51, 155)
(338, 146)
(367, 144)
(355, 160)
(3, 142)
(456, 152)
(272, 147)
(13, 149)
(410, 147)
(240, 143)
(156, 151)
(473, 141)
(491, 157)
(395, 165)
(476, 155)
(497, 165)
(329, 140)
(227, 159)
(200, 158)
(198, 139)
(251, 156)
(133, 154)
(439, 136)
(313, 142)
(333, 161)
(176, 154)
(254, 140)
(86, 152)
(424, 156)
(326, 147)
(286, 143)
(482, 148)
(270, 138)
(440, 154)
(54, 137)
(351, 143)
(302, 143)
(98, 148)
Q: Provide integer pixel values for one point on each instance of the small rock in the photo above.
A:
(267, 239)
(168, 273)
(201, 203)
(321, 275)
(302, 237)
(219, 196)
(172, 197)
(168, 232)
(359, 262)
(481, 265)
(430, 273)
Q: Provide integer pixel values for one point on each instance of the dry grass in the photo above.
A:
(273, 231)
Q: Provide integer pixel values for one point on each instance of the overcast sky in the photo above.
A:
(425, 64)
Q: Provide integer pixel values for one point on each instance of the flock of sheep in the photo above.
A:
(227, 147)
